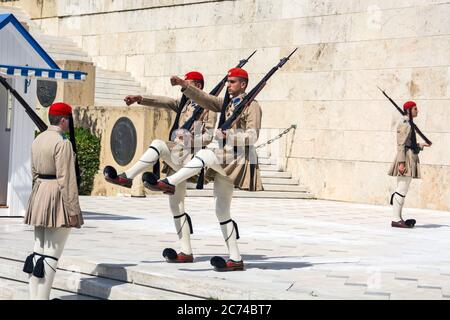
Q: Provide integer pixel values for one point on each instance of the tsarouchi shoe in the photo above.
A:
(400, 224)
(172, 256)
(164, 186)
(112, 177)
(221, 265)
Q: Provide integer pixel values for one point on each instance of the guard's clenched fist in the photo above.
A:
(129, 100)
(177, 81)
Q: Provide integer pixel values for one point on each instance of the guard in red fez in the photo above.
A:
(406, 165)
(194, 75)
(174, 154)
(238, 72)
(60, 109)
(53, 208)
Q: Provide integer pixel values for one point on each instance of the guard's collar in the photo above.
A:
(55, 128)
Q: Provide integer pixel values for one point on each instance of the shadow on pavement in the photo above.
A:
(116, 275)
(105, 216)
(259, 262)
(432, 226)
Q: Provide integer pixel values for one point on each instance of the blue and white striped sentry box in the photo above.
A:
(47, 74)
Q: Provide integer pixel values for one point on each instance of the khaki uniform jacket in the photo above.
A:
(405, 153)
(52, 201)
(244, 134)
(205, 126)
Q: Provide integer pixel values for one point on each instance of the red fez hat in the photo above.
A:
(193, 75)
(238, 72)
(408, 105)
(60, 109)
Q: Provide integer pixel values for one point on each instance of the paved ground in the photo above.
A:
(299, 249)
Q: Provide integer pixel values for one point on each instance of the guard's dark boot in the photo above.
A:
(112, 177)
(172, 256)
(164, 186)
(150, 181)
(400, 224)
(410, 223)
(221, 265)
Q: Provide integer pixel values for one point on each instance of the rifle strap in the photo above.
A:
(226, 102)
(176, 123)
(415, 147)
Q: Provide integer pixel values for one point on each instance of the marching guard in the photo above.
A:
(406, 165)
(174, 153)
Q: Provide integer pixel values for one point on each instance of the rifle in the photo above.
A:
(31, 113)
(40, 124)
(247, 100)
(403, 113)
(215, 92)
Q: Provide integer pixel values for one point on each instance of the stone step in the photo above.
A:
(268, 167)
(76, 55)
(103, 86)
(17, 290)
(279, 181)
(265, 161)
(91, 285)
(267, 187)
(62, 56)
(114, 74)
(127, 281)
(52, 40)
(110, 95)
(123, 92)
(276, 174)
(262, 154)
(253, 194)
(285, 188)
(64, 49)
(102, 79)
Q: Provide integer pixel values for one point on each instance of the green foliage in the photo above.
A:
(88, 153)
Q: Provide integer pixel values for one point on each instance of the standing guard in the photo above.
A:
(53, 207)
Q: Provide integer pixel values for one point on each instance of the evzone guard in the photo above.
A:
(172, 153)
(53, 207)
(406, 165)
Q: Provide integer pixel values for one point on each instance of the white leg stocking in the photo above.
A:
(398, 197)
(54, 241)
(38, 248)
(223, 193)
(203, 158)
(182, 225)
(148, 159)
